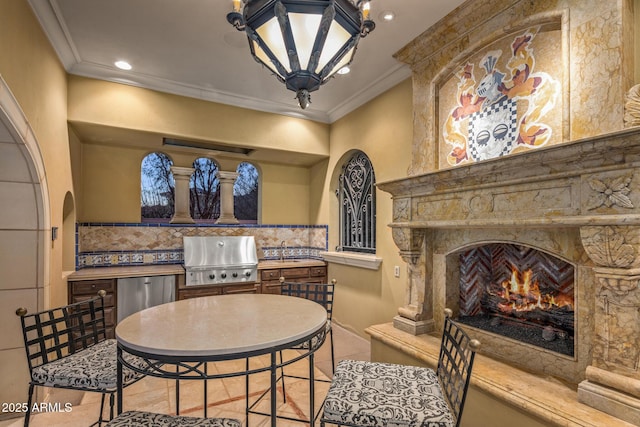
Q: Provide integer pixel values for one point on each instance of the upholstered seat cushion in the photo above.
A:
(381, 394)
(140, 419)
(94, 368)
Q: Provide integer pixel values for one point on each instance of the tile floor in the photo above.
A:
(226, 397)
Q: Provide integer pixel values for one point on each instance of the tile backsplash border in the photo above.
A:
(137, 244)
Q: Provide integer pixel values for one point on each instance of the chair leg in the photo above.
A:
(101, 410)
(111, 405)
(284, 393)
(333, 355)
(27, 416)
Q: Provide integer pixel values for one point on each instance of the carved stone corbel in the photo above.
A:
(416, 315)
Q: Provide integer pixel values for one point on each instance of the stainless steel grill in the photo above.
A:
(220, 259)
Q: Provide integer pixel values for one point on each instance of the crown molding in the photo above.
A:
(50, 18)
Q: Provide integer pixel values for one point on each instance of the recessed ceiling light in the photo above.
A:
(123, 65)
(344, 70)
(387, 15)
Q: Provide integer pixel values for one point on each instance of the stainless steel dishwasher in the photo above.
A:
(138, 293)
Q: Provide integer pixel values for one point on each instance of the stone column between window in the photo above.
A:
(227, 179)
(182, 177)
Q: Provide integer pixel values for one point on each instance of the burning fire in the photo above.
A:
(521, 294)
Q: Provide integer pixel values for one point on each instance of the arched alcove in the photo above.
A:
(24, 239)
(68, 233)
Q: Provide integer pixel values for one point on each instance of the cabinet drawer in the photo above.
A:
(271, 288)
(292, 273)
(199, 292)
(109, 301)
(270, 274)
(318, 271)
(93, 286)
(252, 288)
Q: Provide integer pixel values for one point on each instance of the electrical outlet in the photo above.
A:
(396, 271)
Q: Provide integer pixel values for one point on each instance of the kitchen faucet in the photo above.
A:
(283, 247)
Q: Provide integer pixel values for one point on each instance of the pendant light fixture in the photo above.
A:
(303, 42)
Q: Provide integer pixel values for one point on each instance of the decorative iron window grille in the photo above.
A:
(357, 197)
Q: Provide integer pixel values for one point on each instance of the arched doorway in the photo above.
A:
(24, 236)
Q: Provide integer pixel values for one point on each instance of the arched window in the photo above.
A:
(357, 196)
(204, 200)
(157, 194)
(245, 193)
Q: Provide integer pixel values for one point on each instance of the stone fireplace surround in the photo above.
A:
(578, 201)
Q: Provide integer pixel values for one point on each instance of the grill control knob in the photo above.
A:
(247, 273)
(235, 274)
(212, 276)
(223, 275)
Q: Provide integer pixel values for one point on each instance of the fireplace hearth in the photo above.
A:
(520, 293)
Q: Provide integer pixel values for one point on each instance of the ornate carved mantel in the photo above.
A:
(587, 188)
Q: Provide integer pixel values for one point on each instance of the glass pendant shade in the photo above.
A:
(303, 42)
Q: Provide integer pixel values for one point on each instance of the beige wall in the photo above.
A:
(36, 79)
(111, 104)
(284, 194)
(382, 129)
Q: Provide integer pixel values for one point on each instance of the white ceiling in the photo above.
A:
(186, 47)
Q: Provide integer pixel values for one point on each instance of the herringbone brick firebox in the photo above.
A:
(519, 292)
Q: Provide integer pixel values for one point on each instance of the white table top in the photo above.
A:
(221, 325)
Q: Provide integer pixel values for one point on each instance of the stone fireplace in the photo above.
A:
(521, 208)
(582, 218)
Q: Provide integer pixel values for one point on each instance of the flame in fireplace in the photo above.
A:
(521, 293)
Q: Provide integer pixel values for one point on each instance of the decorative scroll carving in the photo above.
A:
(611, 192)
(632, 107)
(607, 247)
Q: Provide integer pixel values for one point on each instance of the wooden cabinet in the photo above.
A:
(185, 292)
(270, 278)
(87, 289)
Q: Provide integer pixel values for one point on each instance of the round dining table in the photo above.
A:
(176, 340)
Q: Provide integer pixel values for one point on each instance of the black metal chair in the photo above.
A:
(369, 394)
(67, 348)
(322, 293)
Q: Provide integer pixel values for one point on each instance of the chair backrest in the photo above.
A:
(322, 293)
(53, 334)
(457, 352)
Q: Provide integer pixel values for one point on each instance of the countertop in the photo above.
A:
(290, 263)
(129, 271)
(162, 270)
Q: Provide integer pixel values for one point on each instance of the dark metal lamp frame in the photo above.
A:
(302, 81)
